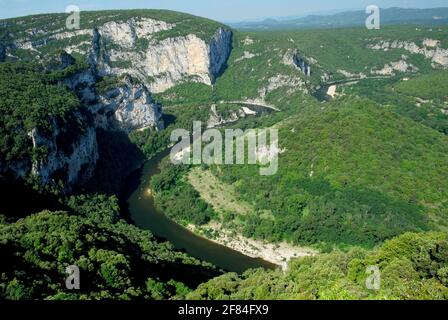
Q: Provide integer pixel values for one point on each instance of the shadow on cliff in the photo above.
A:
(118, 158)
(169, 119)
(20, 200)
(225, 65)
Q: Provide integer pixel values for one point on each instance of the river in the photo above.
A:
(145, 215)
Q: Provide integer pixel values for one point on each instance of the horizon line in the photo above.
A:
(260, 19)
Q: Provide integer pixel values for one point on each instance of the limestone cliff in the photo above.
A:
(295, 59)
(160, 64)
(219, 52)
(158, 53)
(71, 164)
(430, 49)
(128, 107)
(140, 54)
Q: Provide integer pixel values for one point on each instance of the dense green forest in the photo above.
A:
(116, 259)
(352, 173)
(413, 267)
(423, 98)
(362, 176)
(32, 98)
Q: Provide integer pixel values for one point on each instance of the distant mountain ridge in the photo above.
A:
(390, 16)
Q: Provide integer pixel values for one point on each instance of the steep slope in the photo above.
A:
(411, 266)
(116, 260)
(160, 48)
(352, 172)
(46, 132)
(63, 94)
(112, 65)
(421, 98)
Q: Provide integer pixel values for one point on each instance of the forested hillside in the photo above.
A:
(413, 267)
(116, 260)
(363, 165)
(50, 134)
(351, 173)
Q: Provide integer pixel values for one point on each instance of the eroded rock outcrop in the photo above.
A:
(127, 108)
(161, 64)
(349, 75)
(126, 33)
(396, 66)
(430, 49)
(70, 162)
(138, 48)
(302, 65)
(68, 149)
(140, 57)
(293, 58)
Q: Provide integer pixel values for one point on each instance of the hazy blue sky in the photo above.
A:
(223, 10)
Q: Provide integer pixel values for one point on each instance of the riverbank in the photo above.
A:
(277, 253)
(224, 198)
(144, 214)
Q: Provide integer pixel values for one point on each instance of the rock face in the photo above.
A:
(431, 50)
(138, 47)
(125, 34)
(66, 152)
(396, 66)
(83, 84)
(159, 64)
(172, 60)
(128, 108)
(71, 154)
(141, 58)
(281, 80)
(349, 75)
(292, 58)
(72, 164)
(302, 65)
(219, 52)
(216, 119)
(246, 55)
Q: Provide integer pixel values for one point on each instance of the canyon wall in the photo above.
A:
(140, 57)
